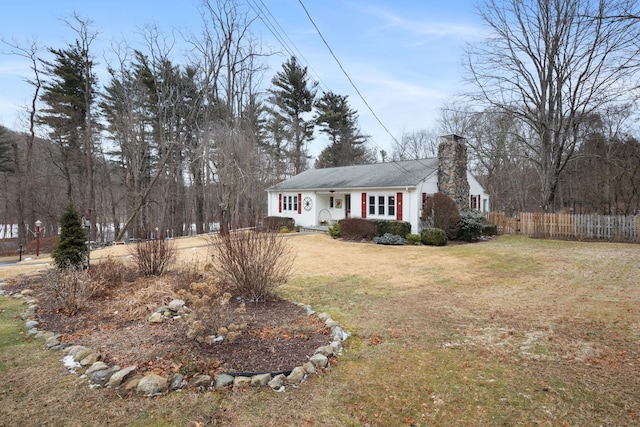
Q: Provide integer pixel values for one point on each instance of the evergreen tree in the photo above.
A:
(5, 151)
(291, 97)
(338, 121)
(71, 250)
(69, 97)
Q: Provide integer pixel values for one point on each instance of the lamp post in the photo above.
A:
(38, 224)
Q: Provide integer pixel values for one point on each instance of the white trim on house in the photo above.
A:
(326, 196)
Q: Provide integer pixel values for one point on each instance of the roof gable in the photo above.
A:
(378, 175)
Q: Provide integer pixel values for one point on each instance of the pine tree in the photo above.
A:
(292, 97)
(338, 121)
(5, 151)
(71, 250)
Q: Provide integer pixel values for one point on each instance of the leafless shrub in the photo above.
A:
(153, 257)
(254, 262)
(71, 286)
(109, 274)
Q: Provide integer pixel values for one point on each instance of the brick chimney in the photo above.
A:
(452, 170)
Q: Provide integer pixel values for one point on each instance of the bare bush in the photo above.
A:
(109, 274)
(255, 263)
(153, 257)
(71, 287)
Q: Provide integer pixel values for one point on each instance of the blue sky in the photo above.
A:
(404, 56)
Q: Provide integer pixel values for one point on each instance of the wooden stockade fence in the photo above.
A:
(613, 228)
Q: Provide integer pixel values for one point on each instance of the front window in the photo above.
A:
(380, 205)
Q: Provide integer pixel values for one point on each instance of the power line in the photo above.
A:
(347, 74)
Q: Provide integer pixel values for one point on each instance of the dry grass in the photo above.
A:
(509, 332)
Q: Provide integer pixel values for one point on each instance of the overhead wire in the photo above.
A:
(272, 24)
(355, 88)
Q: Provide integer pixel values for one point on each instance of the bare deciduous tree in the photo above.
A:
(551, 63)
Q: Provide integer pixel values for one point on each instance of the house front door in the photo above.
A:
(347, 205)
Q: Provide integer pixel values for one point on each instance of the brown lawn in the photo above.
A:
(508, 332)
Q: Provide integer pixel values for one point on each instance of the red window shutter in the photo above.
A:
(299, 203)
(399, 206)
(424, 198)
(364, 205)
(280, 202)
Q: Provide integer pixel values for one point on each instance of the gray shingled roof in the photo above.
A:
(379, 175)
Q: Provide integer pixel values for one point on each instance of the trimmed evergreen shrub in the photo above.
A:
(433, 237)
(276, 223)
(413, 239)
(357, 229)
(334, 230)
(441, 211)
(390, 239)
(399, 228)
(71, 250)
(471, 225)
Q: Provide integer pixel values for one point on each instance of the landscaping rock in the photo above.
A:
(97, 366)
(176, 304)
(296, 376)
(310, 368)
(278, 381)
(155, 318)
(325, 350)
(151, 385)
(319, 360)
(260, 380)
(330, 323)
(122, 376)
(129, 387)
(241, 382)
(202, 382)
(222, 381)
(31, 324)
(100, 378)
(177, 382)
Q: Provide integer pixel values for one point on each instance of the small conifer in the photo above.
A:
(71, 250)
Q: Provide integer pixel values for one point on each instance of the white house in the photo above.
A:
(390, 190)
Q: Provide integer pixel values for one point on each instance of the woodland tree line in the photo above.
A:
(170, 141)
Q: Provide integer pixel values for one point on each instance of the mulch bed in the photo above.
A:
(279, 336)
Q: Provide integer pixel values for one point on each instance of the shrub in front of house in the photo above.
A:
(390, 239)
(399, 228)
(357, 229)
(334, 230)
(472, 224)
(413, 239)
(277, 223)
(441, 211)
(433, 237)
(490, 230)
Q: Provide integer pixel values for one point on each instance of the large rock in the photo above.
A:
(97, 366)
(222, 381)
(152, 385)
(121, 376)
(202, 382)
(177, 382)
(319, 360)
(176, 305)
(260, 380)
(241, 382)
(325, 350)
(296, 376)
(100, 378)
(278, 381)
